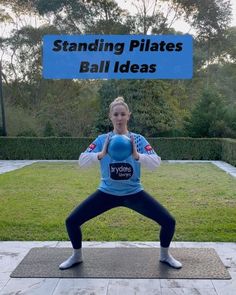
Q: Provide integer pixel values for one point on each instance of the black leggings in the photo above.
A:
(100, 202)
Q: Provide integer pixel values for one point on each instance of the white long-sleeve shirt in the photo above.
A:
(150, 162)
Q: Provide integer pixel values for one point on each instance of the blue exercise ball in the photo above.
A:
(120, 147)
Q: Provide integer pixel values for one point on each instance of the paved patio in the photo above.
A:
(11, 253)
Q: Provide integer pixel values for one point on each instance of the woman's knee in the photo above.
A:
(171, 222)
(68, 221)
(71, 221)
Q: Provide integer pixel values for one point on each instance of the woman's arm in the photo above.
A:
(88, 159)
(151, 162)
(150, 159)
(95, 152)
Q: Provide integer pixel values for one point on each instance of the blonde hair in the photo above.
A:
(118, 101)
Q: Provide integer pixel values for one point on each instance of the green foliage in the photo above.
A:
(27, 133)
(230, 118)
(187, 148)
(97, 17)
(21, 122)
(152, 113)
(229, 151)
(69, 106)
(209, 18)
(64, 134)
(207, 118)
(42, 148)
(230, 44)
(223, 79)
(48, 130)
(76, 108)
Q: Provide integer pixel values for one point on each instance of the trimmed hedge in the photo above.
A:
(229, 151)
(44, 148)
(68, 148)
(183, 148)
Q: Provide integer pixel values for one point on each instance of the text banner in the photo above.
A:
(117, 57)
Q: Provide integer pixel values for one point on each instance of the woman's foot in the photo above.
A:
(167, 258)
(74, 259)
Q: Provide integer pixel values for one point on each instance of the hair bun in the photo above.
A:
(119, 99)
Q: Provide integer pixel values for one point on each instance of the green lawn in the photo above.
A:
(35, 200)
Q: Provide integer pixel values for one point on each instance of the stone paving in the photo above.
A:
(229, 169)
(11, 253)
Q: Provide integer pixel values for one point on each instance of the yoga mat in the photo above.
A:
(133, 263)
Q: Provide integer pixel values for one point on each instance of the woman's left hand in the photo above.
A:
(103, 153)
(135, 153)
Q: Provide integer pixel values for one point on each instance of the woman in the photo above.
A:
(120, 189)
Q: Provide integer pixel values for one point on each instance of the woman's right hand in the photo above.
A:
(103, 153)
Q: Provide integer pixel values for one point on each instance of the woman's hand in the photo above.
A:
(135, 153)
(103, 153)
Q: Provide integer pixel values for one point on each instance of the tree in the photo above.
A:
(158, 106)
(208, 116)
(48, 130)
(91, 16)
(208, 17)
(152, 114)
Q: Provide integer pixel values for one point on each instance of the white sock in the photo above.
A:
(75, 258)
(166, 257)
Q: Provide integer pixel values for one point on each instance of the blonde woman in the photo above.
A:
(120, 189)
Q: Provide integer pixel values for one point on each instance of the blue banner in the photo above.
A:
(117, 57)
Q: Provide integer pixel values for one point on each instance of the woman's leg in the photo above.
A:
(146, 205)
(93, 206)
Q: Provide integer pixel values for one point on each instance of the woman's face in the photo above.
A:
(120, 117)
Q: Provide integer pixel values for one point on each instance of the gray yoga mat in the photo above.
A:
(135, 263)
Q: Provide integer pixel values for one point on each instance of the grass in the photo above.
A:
(35, 200)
